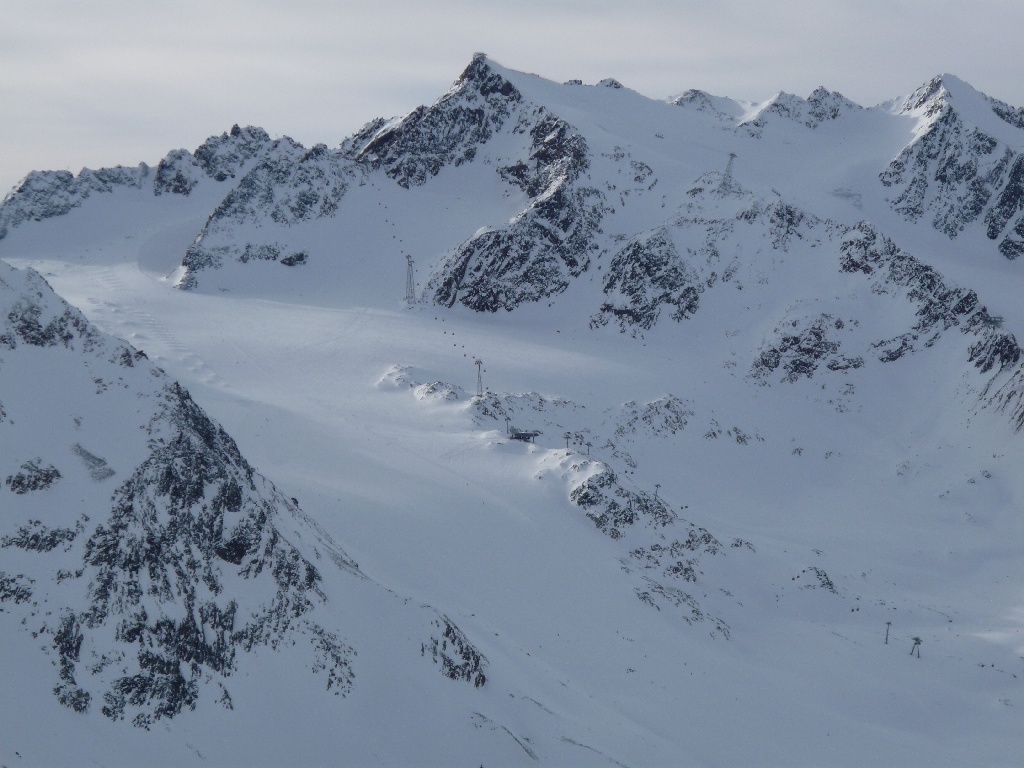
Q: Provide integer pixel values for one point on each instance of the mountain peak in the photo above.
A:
(486, 76)
(948, 92)
(938, 92)
(820, 106)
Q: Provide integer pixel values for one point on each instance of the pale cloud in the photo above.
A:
(112, 81)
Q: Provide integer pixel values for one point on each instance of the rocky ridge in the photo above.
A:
(959, 173)
(45, 194)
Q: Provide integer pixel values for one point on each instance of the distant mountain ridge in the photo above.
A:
(952, 167)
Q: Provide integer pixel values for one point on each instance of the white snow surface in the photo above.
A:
(848, 504)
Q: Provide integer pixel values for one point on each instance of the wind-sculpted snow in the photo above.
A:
(658, 544)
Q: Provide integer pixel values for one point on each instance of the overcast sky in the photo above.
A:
(110, 82)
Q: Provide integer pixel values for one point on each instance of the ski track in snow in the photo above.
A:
(133, 322)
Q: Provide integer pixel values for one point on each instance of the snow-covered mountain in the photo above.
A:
(145, 556)
(964, 164)
(747, 434)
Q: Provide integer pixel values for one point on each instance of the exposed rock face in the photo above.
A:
(662, 417)
(223, 157)
(939, 305)
(645, 275)
(183, 570)
(191, 520)
(666, 559)
(219, 158)
(289, 186)
(722, 109)
(45, 194)
(32, 477)
(177, 174)
(804, 345)
(447, 133)
(533, 256)
(25, 317)
(537, 253)
(958, 173)
(799, 354)
(458, 659)
(653, 270)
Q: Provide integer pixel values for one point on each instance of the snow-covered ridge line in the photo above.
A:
(45, 194)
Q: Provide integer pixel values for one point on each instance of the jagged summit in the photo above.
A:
(821, 106)
(964, 164)
(486, 75)
(938, 91)
(949, 92)
(219, 159)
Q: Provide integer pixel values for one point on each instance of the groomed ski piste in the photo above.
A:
(735, 525)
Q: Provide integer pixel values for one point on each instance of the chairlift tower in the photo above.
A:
(992, 321)
(479, 377)
(410, 282)
(726, 185)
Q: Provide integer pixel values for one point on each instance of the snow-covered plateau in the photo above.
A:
(697, 442)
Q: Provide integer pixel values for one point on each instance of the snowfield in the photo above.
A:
(779, 443)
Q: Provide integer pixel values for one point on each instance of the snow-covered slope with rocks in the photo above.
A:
(749, 430)
(44, 194)
(147, 559)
